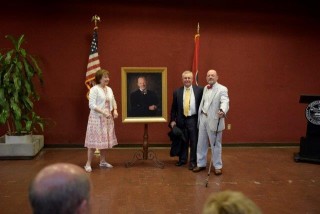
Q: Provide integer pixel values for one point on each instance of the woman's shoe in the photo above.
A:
(105, 164)
(88, 168)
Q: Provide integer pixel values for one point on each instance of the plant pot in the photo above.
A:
(13, 139)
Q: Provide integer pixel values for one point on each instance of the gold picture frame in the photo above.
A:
(137, 110)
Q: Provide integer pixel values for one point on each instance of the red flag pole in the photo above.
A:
(196, 54)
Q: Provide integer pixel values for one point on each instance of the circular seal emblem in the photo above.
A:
(313, 112)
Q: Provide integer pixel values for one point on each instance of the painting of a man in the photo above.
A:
(143, 102)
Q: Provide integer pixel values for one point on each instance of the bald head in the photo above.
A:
(142, 83)
(62, 187)
(212, 77)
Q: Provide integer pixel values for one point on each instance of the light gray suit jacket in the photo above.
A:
(219, 100)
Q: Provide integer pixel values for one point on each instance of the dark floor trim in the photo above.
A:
(17, 157)
(168, 145)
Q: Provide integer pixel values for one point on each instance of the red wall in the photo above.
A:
(267, 59)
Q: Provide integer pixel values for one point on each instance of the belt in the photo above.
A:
(202, 112)
(189, 117)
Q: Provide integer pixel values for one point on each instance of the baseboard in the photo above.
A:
(265, 144)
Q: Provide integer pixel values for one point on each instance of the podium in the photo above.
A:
(310, 144)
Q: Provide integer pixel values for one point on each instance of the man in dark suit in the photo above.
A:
(184, 115)
(144, 103)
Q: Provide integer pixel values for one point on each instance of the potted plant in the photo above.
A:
(18, 71)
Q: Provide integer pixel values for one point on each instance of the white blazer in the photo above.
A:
(219, 100)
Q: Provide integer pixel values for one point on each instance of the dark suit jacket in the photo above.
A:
(177, 104)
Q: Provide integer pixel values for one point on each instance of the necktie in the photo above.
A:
(209, 86)
(186, 102)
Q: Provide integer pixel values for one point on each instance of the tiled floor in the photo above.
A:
(268, 176)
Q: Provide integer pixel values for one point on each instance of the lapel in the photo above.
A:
(214, 92)
(201, 102)
(180, 97)
(195, 91)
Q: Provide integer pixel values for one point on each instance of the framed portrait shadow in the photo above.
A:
(144, 94)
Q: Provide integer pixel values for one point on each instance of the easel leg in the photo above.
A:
(145, 154)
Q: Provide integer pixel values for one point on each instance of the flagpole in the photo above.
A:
(196, 54)
(96, 19)
(198, 28)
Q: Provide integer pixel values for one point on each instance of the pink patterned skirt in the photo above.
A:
(100, 132)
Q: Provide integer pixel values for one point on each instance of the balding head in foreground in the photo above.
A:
(60, 188)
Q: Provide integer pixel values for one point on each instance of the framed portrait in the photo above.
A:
(144, 94)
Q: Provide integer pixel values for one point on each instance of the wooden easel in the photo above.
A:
(145, 154)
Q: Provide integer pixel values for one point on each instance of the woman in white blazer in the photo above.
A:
(100, 130)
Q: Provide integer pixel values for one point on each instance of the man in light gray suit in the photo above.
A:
(214, 106)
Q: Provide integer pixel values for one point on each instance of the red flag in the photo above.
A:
(196, 56)
(93, 62)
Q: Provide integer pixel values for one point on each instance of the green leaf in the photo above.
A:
(2, 97)
(28, 126)
(37, 68)
(18, 126)
(37, 121)
(13, 40)
(20, 41)
(27, 87)
(6, 78)
(17, 80)
(10, 68)
(4, 115)
(28, 103)
(9, 56)
(19, 66)
(16, 44)
(23, 52)
(41, 125)
(27, 68)
(16, 110)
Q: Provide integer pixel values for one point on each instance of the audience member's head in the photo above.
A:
(60, 188)
(230, 202)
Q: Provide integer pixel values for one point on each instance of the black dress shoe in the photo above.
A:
(192, 166)
(198, 169)
(180, 163)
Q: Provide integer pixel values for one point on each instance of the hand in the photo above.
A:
(221, 114)
(115, 114)
(152, 108)
(172, 124)
(107, 115)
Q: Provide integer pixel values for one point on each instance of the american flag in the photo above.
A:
(93, 62)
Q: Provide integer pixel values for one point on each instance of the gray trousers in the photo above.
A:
(202, 149)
